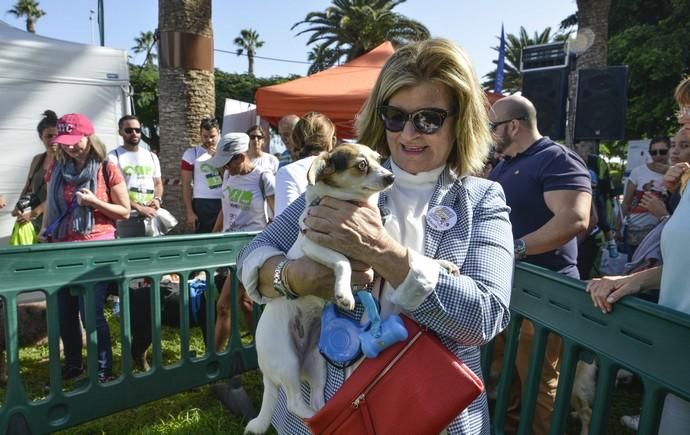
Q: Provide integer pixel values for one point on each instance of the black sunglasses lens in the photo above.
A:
(427, 121)
(393, 119)
(130, 130)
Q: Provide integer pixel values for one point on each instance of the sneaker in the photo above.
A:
(104, 377)
(71, 372)
(631, 421)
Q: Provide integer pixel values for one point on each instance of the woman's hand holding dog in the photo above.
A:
(356, 231)
(307, 277)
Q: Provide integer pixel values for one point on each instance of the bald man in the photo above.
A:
(548, 189)
(285, 126)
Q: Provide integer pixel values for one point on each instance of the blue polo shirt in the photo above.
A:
(543, 167)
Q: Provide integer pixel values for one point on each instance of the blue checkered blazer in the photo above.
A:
(466, 311)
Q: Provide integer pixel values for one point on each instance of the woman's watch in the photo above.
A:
(280, 281)
(159, 199)
(520, 249)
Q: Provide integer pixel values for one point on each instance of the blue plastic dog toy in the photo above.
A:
(343, 339)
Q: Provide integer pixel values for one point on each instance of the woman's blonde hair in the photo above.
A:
(313, 133)
(433, 61)
(682, 93)
(97, 151)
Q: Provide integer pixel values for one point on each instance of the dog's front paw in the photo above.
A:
(450, 267)
(345, 300)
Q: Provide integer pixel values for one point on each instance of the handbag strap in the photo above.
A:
(53, 225)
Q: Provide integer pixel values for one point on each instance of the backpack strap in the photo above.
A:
(106, 175)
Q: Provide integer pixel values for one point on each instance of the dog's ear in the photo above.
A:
(322, 166)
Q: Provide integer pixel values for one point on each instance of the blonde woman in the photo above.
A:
(313, 133)
(86, 194)
(427, 116)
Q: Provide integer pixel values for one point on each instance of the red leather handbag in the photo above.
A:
(416, 387)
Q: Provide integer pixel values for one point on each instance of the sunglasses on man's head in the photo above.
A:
(659, 152)
(130, 130)
(425, 121)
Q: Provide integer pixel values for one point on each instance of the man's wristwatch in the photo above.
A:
(159, 199)
(520, 249)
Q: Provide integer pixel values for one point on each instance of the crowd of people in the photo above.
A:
(480, 189)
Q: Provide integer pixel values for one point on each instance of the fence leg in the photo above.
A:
(235, 399)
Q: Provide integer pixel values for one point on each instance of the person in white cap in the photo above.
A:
(245, 191)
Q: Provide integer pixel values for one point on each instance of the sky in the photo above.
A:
(472, 24)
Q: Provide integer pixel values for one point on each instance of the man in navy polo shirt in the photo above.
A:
(548, 189)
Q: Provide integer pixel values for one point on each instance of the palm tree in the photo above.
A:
(145, 43)
(321, 58)
(512, 81)
(351, 28)
(30, 10)
(186, 86)
(248, 41)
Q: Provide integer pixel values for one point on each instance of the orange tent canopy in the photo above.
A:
(337, 92)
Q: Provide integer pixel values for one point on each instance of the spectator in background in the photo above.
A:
(261, 159)
(312, 134)
(548, 189)
(285, 126)
(201, 183)
(35, 184)
(3, 202)
(645, 179)
(86, 195)
(682, 95)
(142, 172)
(602, 188)
(247, 189)
(141, 169)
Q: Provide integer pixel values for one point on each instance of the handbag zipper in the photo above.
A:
(362, 396)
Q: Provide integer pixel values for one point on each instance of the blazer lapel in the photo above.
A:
(445, 194)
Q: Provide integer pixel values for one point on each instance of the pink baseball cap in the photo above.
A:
(72, 127)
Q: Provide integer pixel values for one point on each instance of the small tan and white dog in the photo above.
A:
(288, 331)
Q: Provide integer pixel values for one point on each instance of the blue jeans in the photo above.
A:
(69, 308)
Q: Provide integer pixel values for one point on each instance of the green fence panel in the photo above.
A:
(81, 266)
(646, 339)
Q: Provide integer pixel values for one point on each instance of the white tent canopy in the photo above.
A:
(39, 73)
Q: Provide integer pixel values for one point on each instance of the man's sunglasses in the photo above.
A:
(425, 121)
(494, 125)
(130, 130)
(658, 152)
(256, 136)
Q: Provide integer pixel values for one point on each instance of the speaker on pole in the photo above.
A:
(547, 89)
(602, 100)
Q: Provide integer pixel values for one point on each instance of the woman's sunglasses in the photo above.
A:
(256, 137)
(425, 121)
(660, 152)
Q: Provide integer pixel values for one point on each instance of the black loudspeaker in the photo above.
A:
(602, 100)
(547, 89)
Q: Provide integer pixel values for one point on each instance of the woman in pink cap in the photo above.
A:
(86, 194)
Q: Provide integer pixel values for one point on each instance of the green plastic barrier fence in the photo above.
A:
(82, 265)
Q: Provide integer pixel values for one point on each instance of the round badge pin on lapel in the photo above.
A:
(441, 218)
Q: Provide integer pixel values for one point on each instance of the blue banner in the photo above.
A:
(500, 64)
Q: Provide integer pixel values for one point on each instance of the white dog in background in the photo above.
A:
(288, 331)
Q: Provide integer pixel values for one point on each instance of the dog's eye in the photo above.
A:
(363, 165)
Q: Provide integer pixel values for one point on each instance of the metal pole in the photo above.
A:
(93, 35)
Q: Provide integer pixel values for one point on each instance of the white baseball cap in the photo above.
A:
(229, 145)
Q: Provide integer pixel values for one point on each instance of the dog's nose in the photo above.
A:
(389, 179)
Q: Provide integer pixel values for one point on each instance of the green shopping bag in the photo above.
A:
(23, 234)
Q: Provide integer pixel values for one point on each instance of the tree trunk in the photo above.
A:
(30, 25)
(250, 58)
(187, 87)
(593, 24)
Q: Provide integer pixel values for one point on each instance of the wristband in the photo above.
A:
(280, 283)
